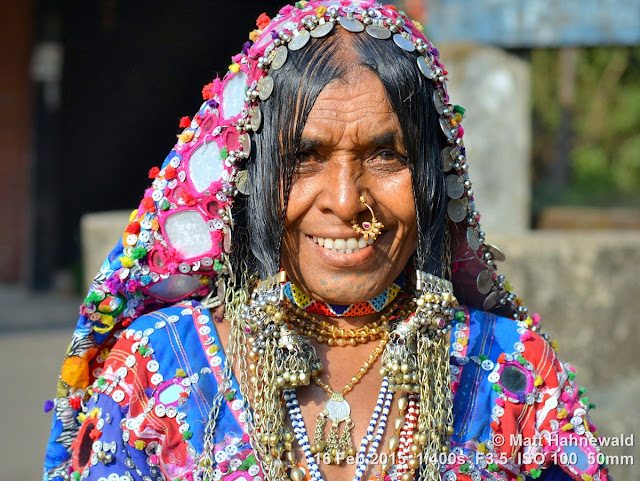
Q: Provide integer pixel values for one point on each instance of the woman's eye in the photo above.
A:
(306, 162)
(302, 157)
(390, 156)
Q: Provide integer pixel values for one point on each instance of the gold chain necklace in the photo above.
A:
(325, 332)
(340, 446)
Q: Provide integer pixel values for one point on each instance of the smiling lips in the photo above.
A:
(343, 246)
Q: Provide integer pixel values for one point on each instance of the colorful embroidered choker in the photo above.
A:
(371, 306)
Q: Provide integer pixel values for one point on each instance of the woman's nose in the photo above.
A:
(341, 193)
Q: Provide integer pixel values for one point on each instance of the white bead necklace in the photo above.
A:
(378, 419)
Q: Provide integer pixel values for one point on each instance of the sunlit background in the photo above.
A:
(90, 98)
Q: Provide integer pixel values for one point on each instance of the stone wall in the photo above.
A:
(493, 86)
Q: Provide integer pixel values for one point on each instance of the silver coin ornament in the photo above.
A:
(484, 281)
(337, 408)
(280, 55)
(265, 87)
(376, 31)
(496, 253)
(322, 30)
(448, 130)
(351, 24)
(447, 159)
(438, 101)
(491, 301)
(457, 209)
(242, 181)
(245, 142)
(404, 43)
(455, 187)
(256, 118)
(425, 68)
(473, 238)
(299, 39)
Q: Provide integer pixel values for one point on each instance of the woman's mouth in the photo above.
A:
(343, 246)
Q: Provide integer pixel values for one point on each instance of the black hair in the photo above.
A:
(297, 85)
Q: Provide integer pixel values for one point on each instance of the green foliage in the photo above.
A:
(586, 102)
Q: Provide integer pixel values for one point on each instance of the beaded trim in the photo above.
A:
(369, 444)
(371, 306)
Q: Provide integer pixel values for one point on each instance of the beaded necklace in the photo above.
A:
(377, 424)
(338, 410)
(371, 306)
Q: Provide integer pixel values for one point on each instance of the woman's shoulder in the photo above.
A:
(180, 316)
(518, 410)
(498, 336)
(174, 342)
(153, 391)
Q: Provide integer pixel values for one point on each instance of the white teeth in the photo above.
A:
(343, 246)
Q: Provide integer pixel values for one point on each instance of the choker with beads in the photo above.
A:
(371, 306)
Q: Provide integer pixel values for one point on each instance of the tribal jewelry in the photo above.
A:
(416, 360)
(325, 332)
(402, 450)
(377, 425)
(371, 306)
(368, 229)
(337, 410)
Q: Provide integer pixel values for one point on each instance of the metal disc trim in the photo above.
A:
(265, 87)
(351, 24)
(404, 43)
(245, 142)
(455, 189)
(425, 69)
(447, 161)
(299, 40)
(280, 55)
(256, 118)
(484, 281)
(322, 30)
(473, 238)
(491, 301)
(438, 101)
(381, 33)
(448, 130)
(242, 181)
(457, 209)
(496, 253)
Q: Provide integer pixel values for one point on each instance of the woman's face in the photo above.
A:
(351, 146)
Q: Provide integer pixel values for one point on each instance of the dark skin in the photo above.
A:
(352, 146)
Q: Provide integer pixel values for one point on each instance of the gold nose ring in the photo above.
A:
(368, 229)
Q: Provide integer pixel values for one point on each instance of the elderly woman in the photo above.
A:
(305, 291)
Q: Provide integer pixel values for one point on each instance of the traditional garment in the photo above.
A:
(156, 385)
(140, 377)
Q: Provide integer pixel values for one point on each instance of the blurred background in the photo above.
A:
(90, 98)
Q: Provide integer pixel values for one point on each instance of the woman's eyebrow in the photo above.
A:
(388, 138)
(306, 144)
